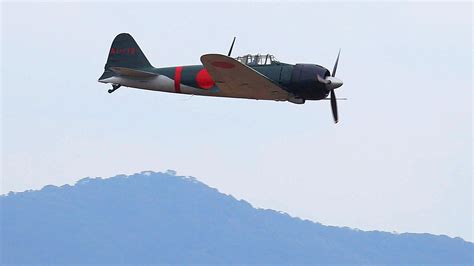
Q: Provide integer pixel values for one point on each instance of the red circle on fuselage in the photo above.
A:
(204, 80)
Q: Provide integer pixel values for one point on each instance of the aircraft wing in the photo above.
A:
(238, 80)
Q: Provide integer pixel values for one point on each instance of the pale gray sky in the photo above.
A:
(399, 160)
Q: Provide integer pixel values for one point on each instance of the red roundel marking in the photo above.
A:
(177, 79)
(222, 64)
(204, 80)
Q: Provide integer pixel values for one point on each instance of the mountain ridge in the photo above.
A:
(185, 221)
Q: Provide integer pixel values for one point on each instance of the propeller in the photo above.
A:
(333, 83)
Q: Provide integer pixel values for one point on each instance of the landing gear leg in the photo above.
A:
(114, 87)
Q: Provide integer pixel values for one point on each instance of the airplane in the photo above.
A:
(260, 77)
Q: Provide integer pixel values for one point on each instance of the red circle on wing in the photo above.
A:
(204, 80)
(222, 64)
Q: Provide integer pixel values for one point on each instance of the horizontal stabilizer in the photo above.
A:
(128, 72)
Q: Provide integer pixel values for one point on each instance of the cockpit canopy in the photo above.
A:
(258, 60)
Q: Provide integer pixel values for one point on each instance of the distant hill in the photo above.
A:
(162, 218)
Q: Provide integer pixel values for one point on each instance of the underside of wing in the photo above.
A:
(238, 80)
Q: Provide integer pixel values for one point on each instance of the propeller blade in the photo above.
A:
(335, 65)
(334, 106)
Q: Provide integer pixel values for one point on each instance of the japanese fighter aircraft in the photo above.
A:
(259, 77)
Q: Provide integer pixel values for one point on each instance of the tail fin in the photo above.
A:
(125, 52)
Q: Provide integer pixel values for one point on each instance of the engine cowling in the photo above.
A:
(304, 81)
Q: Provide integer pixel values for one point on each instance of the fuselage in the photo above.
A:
(299, 80)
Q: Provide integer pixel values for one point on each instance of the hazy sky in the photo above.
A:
(399, 160)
